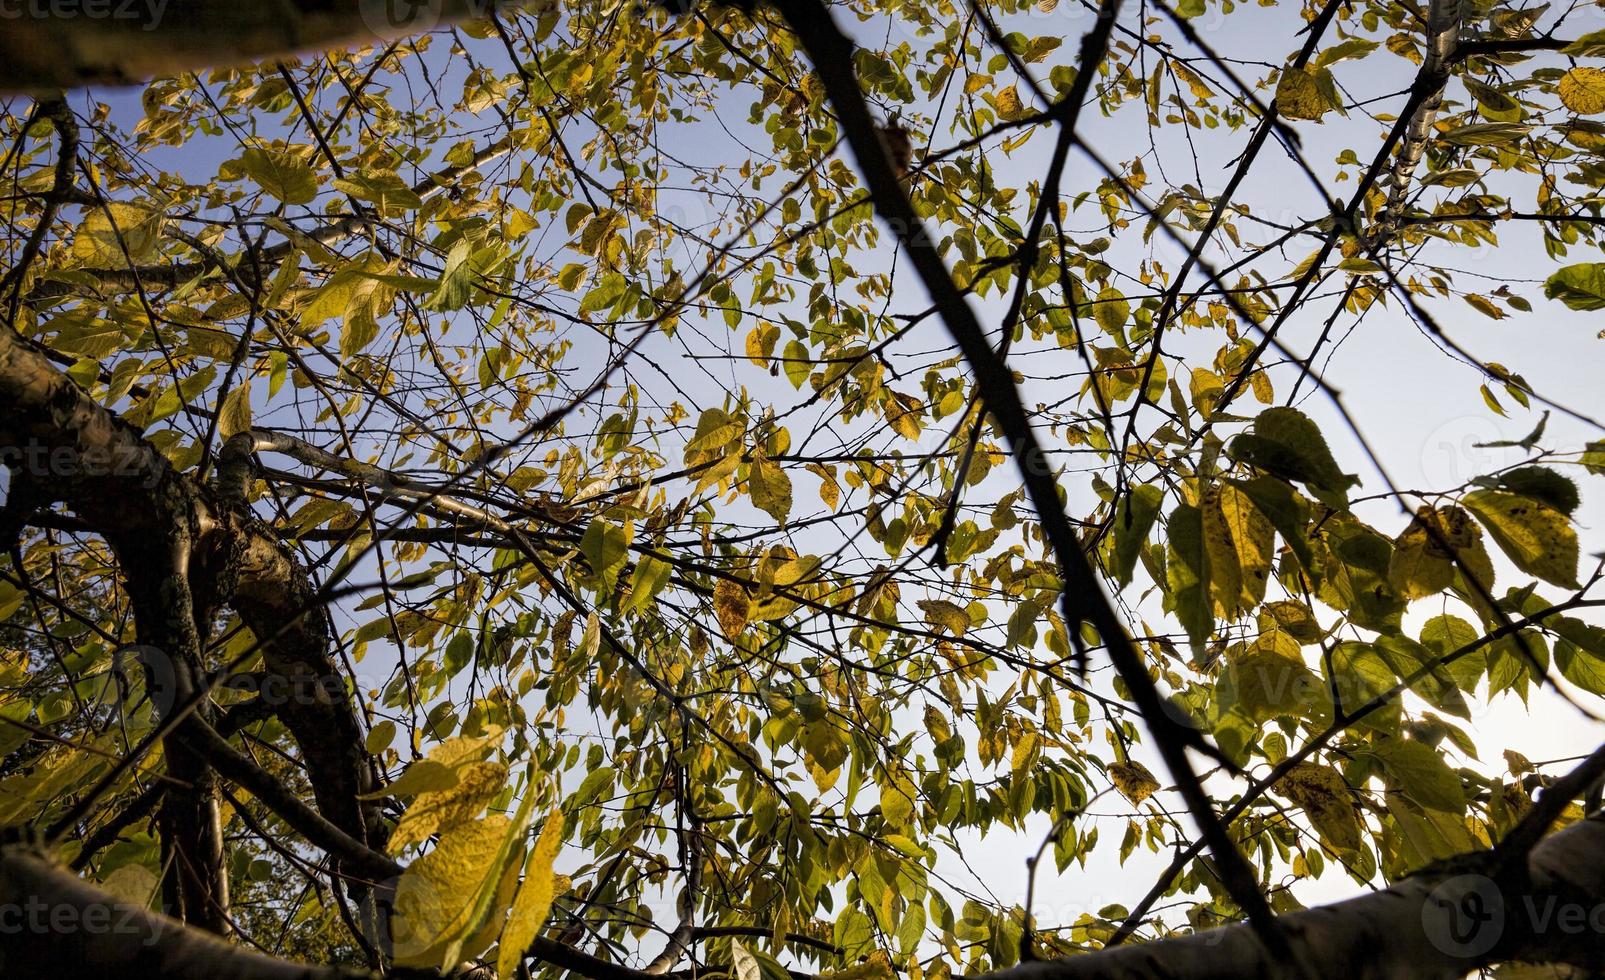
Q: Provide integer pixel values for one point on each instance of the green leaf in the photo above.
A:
(1581, 666)
(456, 280)
(1286, 443)
(458, 653)
(1593, 458)
(605, 546)
(1353, 562)
(797, 363)
(1544, 485)
(1133, 520)
(1188, 573)
(1446, 635)
(650, 576)
(1443, 688)
(1581, 286)
(1287, 511)
(1536, 537)
(1419, 771)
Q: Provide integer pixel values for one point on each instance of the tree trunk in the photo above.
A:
(168, 533)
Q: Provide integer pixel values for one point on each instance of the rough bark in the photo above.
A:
(1439, 924)
(56, 925)
(1442, 923)
(168, 533)
(103, 469)
(120, 42)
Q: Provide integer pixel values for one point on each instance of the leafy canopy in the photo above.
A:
(738, 586)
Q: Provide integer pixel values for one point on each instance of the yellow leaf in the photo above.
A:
(877, 967)
(1206, 387)
(1261, 383)
(903, 414)
(1518, 763)
(534, 899)
(732, 606)
(423, 776)
(455, 751)
(761, 344)
(451, 785)
(1420, 565)
(107, 231)
(1485, 306)
(495, 905)
(897, 798)
(134, 884)
(1225, 575)
(1298, 96)
(1582, 90)
(234, 415)
(1252, 541)
(329, 300)
(1295, 619)
(1008, 103)
(829, 490)
(946, 615)
(441, 810)
(1536, 537)
(745, 963)
(436, 895)
(1024, 751)
(1133, 780)
(1111, 310)
(770, 488)
(1325, 799)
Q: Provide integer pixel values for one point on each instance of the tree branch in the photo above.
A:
(1082, 598)
(40, 52)
(57, 925)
